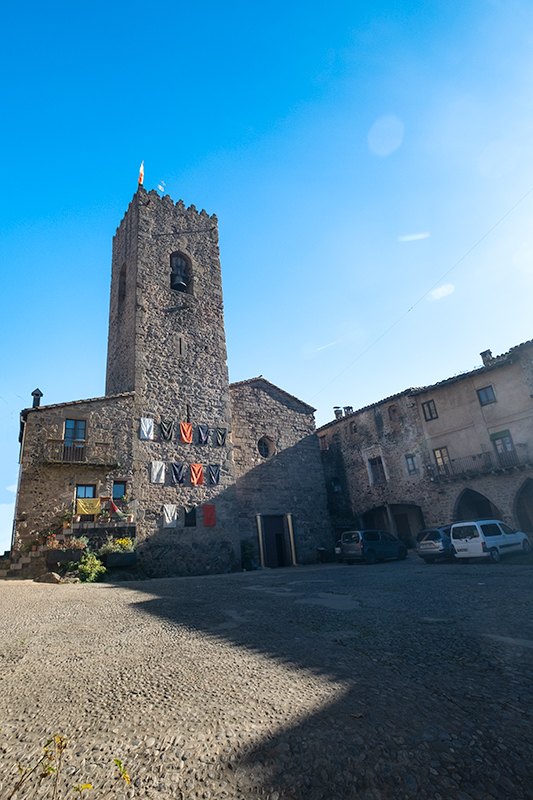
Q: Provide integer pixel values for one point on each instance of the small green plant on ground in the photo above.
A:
(90, 568)
(42, 777)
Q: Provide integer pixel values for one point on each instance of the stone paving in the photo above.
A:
(398, 680)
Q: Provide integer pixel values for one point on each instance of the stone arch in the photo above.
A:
(181, 279)
(474, 505)
(523, 506)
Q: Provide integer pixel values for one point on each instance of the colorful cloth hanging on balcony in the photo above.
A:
(221, 437)
(177, 472)
(170, 515)
(115, 512)
(209, 516)
(197, 474)
(147, 428)
(203, 434)
(88, 505)
(167, 430)
(186, 432)
(158, 472)
(214, 474)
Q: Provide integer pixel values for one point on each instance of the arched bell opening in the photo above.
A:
(180, 273)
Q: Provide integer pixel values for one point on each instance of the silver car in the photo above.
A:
(434, 544)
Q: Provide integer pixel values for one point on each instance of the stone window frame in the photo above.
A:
(412, 466)
(266, 447)
(123, 483)
(486, 395)
(430, 410)
(376, 466)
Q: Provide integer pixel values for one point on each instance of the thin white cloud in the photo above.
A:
(413, 237)
(326, 346)
(442, 291)
(12, 488)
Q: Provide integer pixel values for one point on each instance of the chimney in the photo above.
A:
(337, 410)
(487, 358)
(348, 410)
(36, 394)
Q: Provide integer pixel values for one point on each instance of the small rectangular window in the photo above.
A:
(377, 470)
(86, 491)
(486, 395)
(323, 443)
(412, 467)
(119, 489)
(430, 410)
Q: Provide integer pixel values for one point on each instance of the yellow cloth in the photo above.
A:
(88, 505)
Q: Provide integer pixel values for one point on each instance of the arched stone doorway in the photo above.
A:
(402, 519)
(473, 505)
(524, 507)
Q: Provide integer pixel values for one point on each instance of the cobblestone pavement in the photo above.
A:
(398, 680)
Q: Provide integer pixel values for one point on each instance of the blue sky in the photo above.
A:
(352, 153)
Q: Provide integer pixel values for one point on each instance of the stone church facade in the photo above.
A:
(206, 465)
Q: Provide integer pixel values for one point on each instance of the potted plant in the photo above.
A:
(105, 516)
(118, 552)
(66, 519)
(67, 550)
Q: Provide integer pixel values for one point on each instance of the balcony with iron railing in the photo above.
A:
(482, 463)
(61, 451)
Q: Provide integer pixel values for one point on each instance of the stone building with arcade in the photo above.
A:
(458, 449)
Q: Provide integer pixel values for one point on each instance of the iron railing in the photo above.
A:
(482, 463)
(67, 452)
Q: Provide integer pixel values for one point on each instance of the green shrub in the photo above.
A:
(90, 568)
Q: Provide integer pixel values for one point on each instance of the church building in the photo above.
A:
(198, 470)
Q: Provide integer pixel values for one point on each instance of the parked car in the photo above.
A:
(487, 538)
(434, 544)
(370, 546)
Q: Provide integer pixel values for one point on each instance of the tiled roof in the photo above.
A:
(79, 402)
(495, 362)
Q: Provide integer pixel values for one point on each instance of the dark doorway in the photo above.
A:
(524, 507)
(376, 519)
(275, 541)
(473, 505)
(403, 529)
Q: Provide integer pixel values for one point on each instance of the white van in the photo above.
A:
(487, 538)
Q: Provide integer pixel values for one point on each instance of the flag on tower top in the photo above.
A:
(141, 174)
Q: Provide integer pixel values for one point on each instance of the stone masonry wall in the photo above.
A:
(48, 489)
(291, 480)
(390, 430)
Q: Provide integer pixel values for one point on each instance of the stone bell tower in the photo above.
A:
(167, 343)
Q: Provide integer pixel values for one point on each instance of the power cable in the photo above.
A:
(385, 332)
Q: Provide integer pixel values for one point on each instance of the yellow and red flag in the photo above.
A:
(141, 174)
